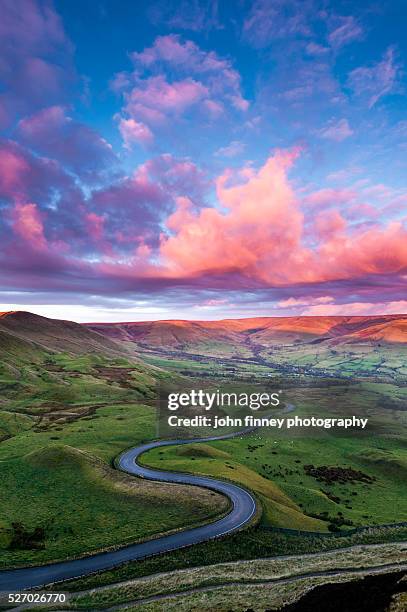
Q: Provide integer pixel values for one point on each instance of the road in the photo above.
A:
(242, 511)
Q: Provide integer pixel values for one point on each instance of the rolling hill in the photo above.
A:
(23, 331)
(341, 345)
(265, 331)
(63, 371)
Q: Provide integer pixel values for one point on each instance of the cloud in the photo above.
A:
(329, 223)
(31, 177)
(131, 209)
(260, 230)
(36, 58)
(95, 224)
(27, 223)
(268, 21)
(155, 231)
(357, 309)
(299, 80)
(53, 133)
(176, 176)
(261, 235)
(134, 132)
(173, 78)
(235, 148)
(327, 198)
(33, 191)
(336, 130)
(305, 301)
(346, 30)
(313, 48)
(378, 80)
(156, 97)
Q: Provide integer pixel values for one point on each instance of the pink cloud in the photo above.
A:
(305, 301)
(375, 251)
(13, 169)
(95, 224)
(175, 176)
(328, 223)
(186, 57)
(155, 229)
(260, 235)
(233, 149)
(156, 93)
(357, 308)
(215, 109)
(268, 21)
(133, 131)
(169, 49)
(328, 197)
(315, 49)
(260, 230)
(25, 176)
(27, 224)
(200, 81)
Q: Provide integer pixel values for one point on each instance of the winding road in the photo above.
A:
(243, 509)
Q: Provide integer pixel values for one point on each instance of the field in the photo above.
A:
(373, 347)
(60, 497)
(274, 464)
(66, 414)
(275, 581)
(63, 419)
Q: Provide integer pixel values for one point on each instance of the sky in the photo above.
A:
(203, 159)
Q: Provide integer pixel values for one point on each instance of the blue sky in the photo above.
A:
(295, 94)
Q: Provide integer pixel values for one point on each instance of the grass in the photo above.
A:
(255, 571)
(253, 543)
(272, 464)
(68, 489)
(64, 417)
(83, 505)
(219, 464)
(62, 422)
(95, 406)
(381, 361)
(264, 595)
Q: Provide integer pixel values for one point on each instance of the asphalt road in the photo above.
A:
(243, 509)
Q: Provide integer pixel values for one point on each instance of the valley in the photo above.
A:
(73, 397)
(317, 346)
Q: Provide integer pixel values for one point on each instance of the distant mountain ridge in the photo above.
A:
(264, 331)
(374, 345)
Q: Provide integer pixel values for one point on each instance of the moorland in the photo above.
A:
(74, 396)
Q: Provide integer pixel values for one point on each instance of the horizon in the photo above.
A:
(192, 160)
(124, 322)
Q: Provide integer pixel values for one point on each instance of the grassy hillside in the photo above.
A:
(54, 335)
(249, 573)
(61, 500)
(367, 346)
(64, 416)
(293, 498)
(355, 478)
